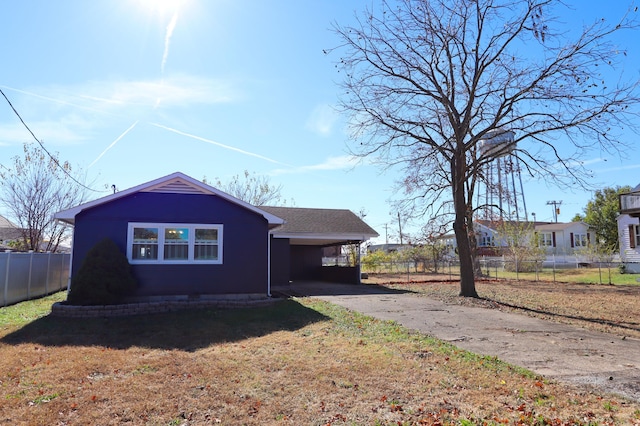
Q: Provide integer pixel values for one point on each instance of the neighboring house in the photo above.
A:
(564, 238)
(556, 238)
(9, 232)
(629, 230)
(185, 238)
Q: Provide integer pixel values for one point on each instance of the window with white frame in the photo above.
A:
(636, 235)
(174, 243)
(546, 239)
(580, 240)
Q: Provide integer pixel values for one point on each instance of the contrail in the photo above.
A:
(61, 102)
(167, 39)
(113, 143)
(221, 145)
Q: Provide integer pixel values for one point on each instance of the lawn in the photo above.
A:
(298, 362)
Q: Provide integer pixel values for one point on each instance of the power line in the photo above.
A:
(54, 159)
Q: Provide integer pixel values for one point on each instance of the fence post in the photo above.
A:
(64, 276)
(46, 281)
(6, 279)
(30, 271)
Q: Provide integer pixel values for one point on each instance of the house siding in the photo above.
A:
(306, 262)
(245, 245)
(280, 261)
(629, 252)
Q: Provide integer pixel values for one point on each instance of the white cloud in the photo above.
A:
(332, 163)
(110, 96)
(69, 114)
(322, 119)
(179, 91)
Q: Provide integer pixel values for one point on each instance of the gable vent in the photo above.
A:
(177, 187)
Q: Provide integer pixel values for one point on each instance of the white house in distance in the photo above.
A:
(557, 238)
(629, 230)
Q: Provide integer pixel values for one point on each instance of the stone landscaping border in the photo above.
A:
(60, 309)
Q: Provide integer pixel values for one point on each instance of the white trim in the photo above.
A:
(320, 236)
(161, 243)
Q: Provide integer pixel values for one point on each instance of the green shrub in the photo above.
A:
(104, 278)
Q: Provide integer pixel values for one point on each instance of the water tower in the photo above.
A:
(500, 193)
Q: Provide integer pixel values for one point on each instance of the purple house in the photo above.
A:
(183, 237)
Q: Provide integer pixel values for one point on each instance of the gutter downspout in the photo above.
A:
(269, 264)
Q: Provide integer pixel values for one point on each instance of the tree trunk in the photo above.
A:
(461, 230)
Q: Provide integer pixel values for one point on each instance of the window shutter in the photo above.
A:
(588, 238)
(571, 237)
(553, 236)
(632, 236)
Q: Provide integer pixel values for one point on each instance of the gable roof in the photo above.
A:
(8, 230)
(538, 226)
(175, 183)
(307, 226)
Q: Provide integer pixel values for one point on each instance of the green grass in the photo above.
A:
(589, 275)
(27, 311)
(574, 275)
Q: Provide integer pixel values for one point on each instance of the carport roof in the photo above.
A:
(308, 226)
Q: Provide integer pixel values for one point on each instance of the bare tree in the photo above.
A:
(427, 81)
(251, 188)
(32, 191)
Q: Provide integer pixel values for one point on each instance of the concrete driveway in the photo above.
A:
(562, 352)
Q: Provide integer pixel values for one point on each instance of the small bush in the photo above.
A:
(104, 278)
(523, 265)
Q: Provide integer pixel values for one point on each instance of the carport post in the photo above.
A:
(359, 268)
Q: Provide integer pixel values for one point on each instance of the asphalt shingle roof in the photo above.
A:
(319, 221)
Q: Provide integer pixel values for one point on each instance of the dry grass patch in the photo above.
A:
(299, 362)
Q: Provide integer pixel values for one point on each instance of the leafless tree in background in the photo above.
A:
(253, 189)
(32, 190)
(426, 80)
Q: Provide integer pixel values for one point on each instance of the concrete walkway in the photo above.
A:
(558, 351)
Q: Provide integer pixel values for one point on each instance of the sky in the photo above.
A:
(132, 90)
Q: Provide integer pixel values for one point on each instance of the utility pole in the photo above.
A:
(400, 228)
(556, 209)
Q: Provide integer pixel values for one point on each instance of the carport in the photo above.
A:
(297, 246)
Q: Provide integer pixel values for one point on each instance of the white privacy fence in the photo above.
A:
(24, 276)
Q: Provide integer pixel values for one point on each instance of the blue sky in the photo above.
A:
(131, 90)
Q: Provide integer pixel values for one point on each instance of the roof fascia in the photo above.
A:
(69, 215)
(320, 236)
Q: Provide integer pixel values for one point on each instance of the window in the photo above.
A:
(145, 243)
(206, 244)
(174, 243)
(486, 240)
(635, 236)
(546, 239)
(580, 240)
